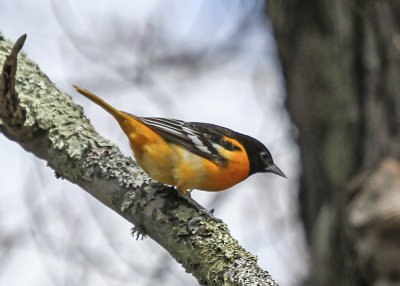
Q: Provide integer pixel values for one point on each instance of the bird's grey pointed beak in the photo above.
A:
(275, 170)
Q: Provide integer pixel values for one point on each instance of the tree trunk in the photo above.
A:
(341, 62)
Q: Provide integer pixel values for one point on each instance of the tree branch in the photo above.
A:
(45, 121)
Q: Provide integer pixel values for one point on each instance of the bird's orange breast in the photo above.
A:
(236, 169)
(194, 172)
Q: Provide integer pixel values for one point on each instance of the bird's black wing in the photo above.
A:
(202, 139)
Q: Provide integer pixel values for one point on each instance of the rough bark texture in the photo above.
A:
(45, 121)
(341, 61)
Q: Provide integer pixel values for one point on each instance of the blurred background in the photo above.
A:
(207, 61)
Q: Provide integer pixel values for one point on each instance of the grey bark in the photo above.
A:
(45, 122)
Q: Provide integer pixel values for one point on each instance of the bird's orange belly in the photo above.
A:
(195, 172)
(157, 160)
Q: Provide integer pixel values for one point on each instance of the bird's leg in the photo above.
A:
(186, 196)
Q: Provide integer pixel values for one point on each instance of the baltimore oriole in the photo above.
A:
(191, 155)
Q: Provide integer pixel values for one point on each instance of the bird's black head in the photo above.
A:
(259, 156)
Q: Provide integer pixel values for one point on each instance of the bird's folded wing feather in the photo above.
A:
(202, 139)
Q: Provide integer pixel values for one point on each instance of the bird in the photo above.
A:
(190, 155)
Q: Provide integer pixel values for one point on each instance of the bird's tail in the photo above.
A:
(114, 112)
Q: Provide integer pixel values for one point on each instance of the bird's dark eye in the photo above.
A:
(265, 157)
